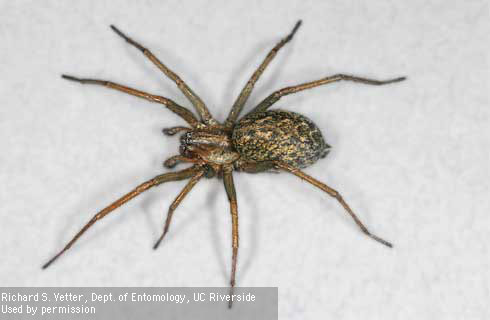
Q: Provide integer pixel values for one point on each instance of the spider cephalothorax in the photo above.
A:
(261, 140)
(214, 147)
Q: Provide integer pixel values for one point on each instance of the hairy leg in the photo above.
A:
(333, 193)
(247, 90)
(230, 191)
(274, 97)
(171, 176)
(172, 106)
(193, 98)
(192, 182)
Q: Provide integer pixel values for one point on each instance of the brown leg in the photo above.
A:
(256, 167)
(273, 98)
(230, 191)
(242, 98)
(172, 106)
(171, 176)
(192, 182)
(334, 194)
(174, 130)
(193, 98)
(175, 160)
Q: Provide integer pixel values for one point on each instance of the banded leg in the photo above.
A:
(247, 90)
(274, 97)
(333, 193)
(172, 106)
(171, 176)
(193, 98)
(192, 182)
(230, 191)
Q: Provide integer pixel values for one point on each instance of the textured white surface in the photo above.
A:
(412, 159)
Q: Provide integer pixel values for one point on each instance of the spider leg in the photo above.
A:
(171, 176)
(247, 90)
(192, 182)
(230, 191)
(193, 98)
(175, 160)
(172, 106)
(174, 130)
(274, 97)
(335, 194)
(255, 167)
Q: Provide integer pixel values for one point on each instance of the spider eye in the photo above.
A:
(185, 138)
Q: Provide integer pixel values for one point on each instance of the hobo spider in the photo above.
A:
(260, 141)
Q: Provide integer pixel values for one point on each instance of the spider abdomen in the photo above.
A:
(279, 135)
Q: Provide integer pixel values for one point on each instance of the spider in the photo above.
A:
(262, 140)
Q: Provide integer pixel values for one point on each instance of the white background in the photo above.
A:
(412, 159)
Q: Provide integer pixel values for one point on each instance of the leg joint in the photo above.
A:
(336, 195)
